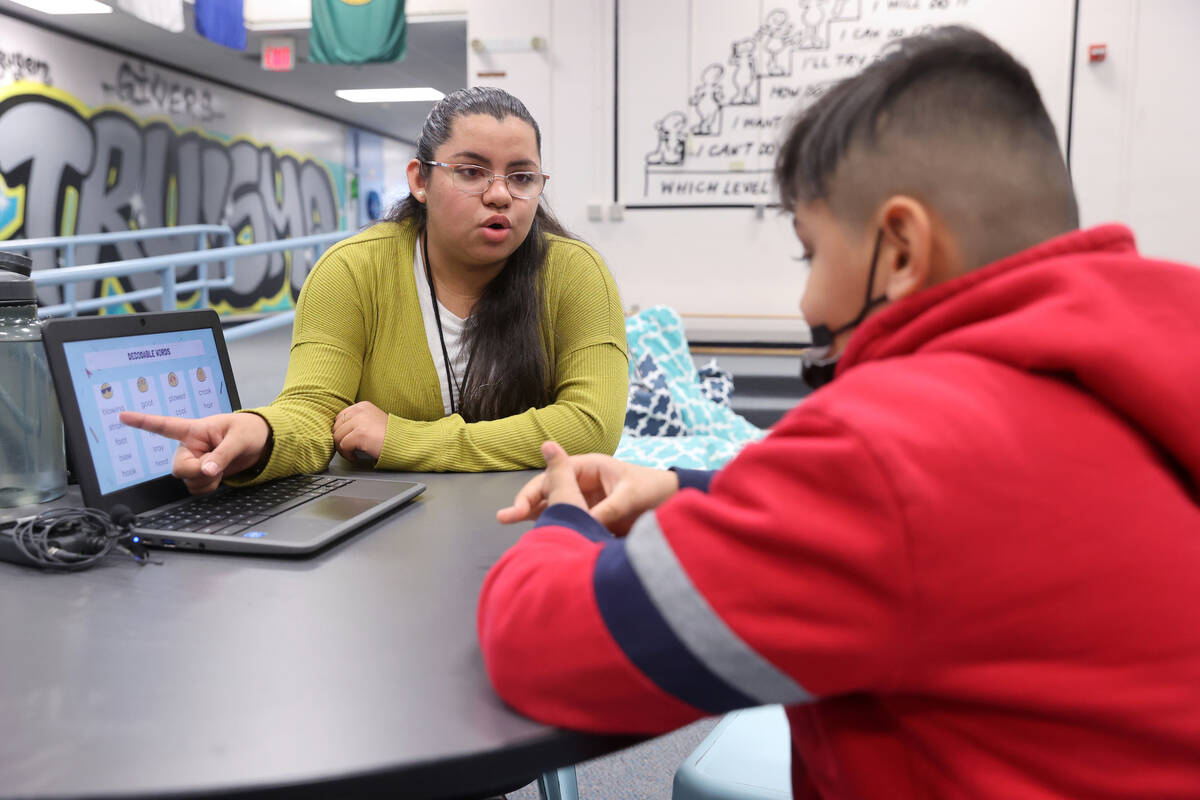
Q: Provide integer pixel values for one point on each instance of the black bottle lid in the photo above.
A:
(16, 288)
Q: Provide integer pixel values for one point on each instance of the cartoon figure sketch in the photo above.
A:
(815, 16)
(200, 374)
(776, 35)
(708, 100)
(813, 31)
(106, 391)
(745, 72)
(143, 385)
(672, 136)
(172, 379)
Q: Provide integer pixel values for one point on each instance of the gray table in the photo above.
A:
(355, 672)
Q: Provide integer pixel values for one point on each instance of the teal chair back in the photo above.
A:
(747, 756)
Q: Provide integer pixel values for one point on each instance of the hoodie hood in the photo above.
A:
(1084, 307)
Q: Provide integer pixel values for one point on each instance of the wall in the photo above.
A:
(94, 141)
(1136, 136)
(695, 260)
(730, 271)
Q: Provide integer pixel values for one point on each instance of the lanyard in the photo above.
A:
(451, 378)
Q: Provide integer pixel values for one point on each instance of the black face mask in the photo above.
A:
(817, 366)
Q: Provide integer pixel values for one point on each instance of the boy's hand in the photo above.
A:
(561, 484)
(612, 491)
(210, 447)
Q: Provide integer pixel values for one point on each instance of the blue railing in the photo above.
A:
(68, 245)
(165, 266)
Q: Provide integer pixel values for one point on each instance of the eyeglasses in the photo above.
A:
(470, 179)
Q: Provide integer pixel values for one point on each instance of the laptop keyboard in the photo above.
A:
(237, 510)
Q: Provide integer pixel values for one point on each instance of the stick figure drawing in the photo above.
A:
(745, 72)
(775, 35)
(672, 137)
(708, 100)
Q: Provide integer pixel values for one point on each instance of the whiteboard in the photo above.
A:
(707, 88)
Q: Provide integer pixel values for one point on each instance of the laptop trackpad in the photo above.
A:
(338, 508)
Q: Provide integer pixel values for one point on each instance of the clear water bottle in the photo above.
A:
(32, 461)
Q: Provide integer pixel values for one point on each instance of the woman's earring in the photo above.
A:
(420, 194)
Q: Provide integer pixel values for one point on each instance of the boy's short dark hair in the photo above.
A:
(948, 116)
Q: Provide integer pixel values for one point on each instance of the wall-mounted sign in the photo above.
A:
(278, 53)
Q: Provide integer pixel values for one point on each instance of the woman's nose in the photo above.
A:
(497, 192)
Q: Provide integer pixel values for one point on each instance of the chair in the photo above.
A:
(747, 756)
(558, 785)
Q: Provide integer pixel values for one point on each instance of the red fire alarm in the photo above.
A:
(1097, 52)
(278, 53)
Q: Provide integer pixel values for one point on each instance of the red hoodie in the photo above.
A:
(969, 566)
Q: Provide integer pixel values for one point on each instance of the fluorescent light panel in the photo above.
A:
(66, 6)
(395, 95)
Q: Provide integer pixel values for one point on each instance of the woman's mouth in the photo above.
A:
(495, 229)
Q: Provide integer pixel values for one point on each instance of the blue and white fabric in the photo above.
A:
(677, 416)
(652, 410)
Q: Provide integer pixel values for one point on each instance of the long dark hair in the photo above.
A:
(507, 371)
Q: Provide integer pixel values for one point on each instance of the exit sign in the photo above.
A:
(278, 53)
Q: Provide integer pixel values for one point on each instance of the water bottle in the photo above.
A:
(32, 461)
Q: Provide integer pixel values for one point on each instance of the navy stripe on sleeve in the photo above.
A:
(565, 515)
(693, 478)
(649, 642)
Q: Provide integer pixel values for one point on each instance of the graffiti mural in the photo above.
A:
(23, 67)
(67, 169)
(147, 89)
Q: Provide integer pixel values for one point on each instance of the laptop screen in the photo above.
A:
(175, 373)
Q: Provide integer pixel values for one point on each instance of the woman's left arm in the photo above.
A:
(591, 385)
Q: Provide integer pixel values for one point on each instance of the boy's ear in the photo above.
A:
(906, 249)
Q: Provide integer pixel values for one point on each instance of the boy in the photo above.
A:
(969, 565)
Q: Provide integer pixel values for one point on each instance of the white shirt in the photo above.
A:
(452, 330)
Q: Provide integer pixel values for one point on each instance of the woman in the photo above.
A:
(457, 335)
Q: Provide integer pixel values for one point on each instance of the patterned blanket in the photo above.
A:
(678, 415)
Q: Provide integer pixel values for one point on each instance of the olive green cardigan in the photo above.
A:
(359, 335)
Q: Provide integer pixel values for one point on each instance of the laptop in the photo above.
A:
(175, 363)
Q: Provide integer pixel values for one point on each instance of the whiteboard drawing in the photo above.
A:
(776, 38)
(708, 100)
(813, 32)
(701, 116)
(743, 57)
(672, 138)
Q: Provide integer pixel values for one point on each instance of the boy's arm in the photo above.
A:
(786, 583)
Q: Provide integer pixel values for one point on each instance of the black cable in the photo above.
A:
(451, 378)
(73, 539)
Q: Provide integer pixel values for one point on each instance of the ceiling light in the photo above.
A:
(66, 6)
(395, 95)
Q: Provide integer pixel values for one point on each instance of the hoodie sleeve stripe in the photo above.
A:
(710, 640)
(649, 642)
(568, 516)
(693, 478)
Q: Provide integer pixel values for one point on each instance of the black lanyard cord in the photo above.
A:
(451, 378)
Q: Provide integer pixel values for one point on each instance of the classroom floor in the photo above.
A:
(643, 772)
